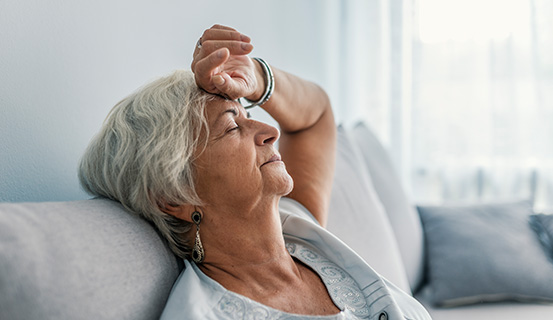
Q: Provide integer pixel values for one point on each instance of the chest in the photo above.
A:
(326, 289)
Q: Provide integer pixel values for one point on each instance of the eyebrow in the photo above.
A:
(229, 110)
(233, 111)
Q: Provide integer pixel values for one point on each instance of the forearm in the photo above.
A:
(296, 104)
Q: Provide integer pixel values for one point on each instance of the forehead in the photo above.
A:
(218, 107)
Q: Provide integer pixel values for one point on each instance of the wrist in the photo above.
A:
(268, 81)
(260, 80)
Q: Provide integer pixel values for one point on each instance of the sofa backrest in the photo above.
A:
(91, 259)
(357, 216)
(402, 214)
(87, 259)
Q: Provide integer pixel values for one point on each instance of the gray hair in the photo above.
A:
(144, 154)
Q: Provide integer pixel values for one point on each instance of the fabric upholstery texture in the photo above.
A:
(484, 253)
(86, 259)
(358, 218)
(543, 225)
(491, 311)
(402, 214)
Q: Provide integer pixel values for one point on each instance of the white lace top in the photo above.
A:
(356, 289)
(343, 290)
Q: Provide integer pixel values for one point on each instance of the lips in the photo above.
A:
(274, 158)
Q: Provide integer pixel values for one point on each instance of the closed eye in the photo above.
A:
(234, 128)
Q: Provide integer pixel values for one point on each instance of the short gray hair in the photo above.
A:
(144, 154)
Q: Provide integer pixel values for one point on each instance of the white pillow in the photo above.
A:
(403, 216)
(357, 216)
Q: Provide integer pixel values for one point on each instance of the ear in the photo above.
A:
(183, 212)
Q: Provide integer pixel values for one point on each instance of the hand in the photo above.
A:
(221, 65)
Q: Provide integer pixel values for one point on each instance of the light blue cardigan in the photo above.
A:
(194, 298)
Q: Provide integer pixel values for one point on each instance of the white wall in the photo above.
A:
(65, 63)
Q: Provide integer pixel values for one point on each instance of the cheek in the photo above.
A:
(227, 172)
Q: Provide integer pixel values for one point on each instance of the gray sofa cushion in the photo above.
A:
(491, 311)
(402, 214)
(86, 259)
(484, 253)
(357, 217)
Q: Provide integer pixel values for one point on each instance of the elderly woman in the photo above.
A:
(247, 218)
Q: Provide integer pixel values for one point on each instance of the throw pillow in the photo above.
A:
(543, 225)
(484, 253)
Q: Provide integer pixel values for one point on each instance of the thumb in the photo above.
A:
(219, 81)
(229, 87)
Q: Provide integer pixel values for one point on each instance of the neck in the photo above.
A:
(246, 247)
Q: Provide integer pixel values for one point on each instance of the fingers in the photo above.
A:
(212, 61)
(205, 68)
(224, 34)
(218, 37)
(235, 47)
(220, 63)
(230, 87)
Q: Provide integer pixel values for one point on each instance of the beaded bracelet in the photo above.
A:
(269, 88)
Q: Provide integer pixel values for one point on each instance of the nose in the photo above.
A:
(265, 134)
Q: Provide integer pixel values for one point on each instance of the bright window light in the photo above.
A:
(471, 20)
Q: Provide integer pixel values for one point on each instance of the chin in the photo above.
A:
(289, 186)
(283, 185)
(286, 192)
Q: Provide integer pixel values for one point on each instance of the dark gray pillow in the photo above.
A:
(543, 225)
(484, 253)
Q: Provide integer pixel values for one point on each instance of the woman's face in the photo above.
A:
(240, 164)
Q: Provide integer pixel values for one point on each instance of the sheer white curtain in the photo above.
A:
(461, 92)
(482, 103)
(371, 41)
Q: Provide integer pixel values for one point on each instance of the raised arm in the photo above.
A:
(308, 139)
(301, 108)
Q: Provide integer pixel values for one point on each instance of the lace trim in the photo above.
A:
(343, 290)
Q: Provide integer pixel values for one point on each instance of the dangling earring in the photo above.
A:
(198, 250)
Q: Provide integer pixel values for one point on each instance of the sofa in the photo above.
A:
(92, 259)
